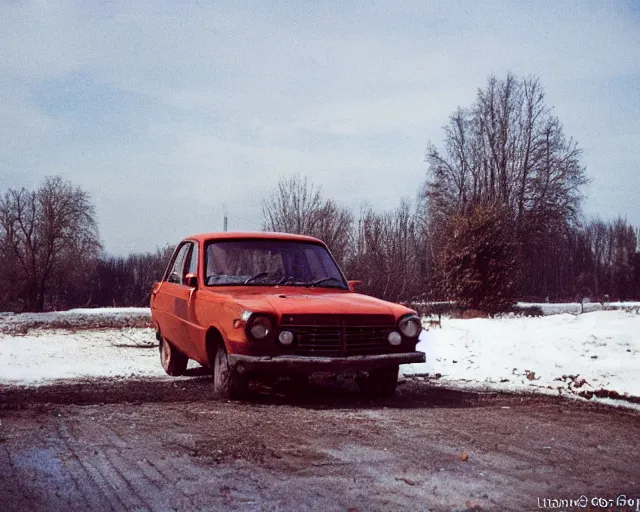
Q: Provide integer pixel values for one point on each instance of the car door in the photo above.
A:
(192, 330)
(161, 303)
(172, 299)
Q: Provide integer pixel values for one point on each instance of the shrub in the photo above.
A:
(479, 258)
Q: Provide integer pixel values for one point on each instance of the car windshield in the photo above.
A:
(271, 262)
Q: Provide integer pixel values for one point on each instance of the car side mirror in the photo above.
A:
(191, 280)
(353, 285)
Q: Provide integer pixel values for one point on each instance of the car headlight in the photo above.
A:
(286, 338)
(259, 327)
(394, 338)
(410, 326)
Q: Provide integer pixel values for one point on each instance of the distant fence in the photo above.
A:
(456, 310)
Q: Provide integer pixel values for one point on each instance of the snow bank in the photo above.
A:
(554, 354)
(83, 318)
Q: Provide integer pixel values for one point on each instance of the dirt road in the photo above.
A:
(157, 445)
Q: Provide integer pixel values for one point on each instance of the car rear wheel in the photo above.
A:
(173, 361)
(380, 383)
(227, 383)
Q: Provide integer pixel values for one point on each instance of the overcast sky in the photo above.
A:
(162, 111)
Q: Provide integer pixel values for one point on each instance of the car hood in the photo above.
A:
(315, 301)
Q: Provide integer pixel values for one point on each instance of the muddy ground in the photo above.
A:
(166, 445)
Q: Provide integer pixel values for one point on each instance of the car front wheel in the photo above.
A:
(227, 383)
(173, 361)
(380, 383)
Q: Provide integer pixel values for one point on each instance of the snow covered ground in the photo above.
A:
(47, 355)
(560, 354)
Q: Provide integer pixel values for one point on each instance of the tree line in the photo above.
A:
(498, 217)
(396, 255)
(52, 257)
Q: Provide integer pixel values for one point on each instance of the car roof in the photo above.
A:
(255, 235)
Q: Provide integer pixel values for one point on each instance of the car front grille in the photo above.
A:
(340, 335)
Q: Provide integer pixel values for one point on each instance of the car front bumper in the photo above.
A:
(322, 364)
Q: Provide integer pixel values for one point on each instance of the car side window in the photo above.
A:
(193, 262)
(177, 269)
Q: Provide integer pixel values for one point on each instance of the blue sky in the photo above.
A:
(163, 111)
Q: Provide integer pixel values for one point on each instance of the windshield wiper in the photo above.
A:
(259, 275)
(323, 280)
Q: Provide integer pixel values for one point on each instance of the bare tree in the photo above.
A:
(294, 207)
(297, 206)
(386, 251)
(612, 266)
(389, 254)
(45, 231)
(508, 149)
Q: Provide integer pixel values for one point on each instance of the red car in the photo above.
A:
(256, 304)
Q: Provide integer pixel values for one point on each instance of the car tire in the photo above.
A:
(173, 361)
(379, 383)
(227, 383)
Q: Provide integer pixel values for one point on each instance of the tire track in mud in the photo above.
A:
(88, 479)
(9, 474)
(104, 460)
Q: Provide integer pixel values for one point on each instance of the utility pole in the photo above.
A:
(224, 214)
